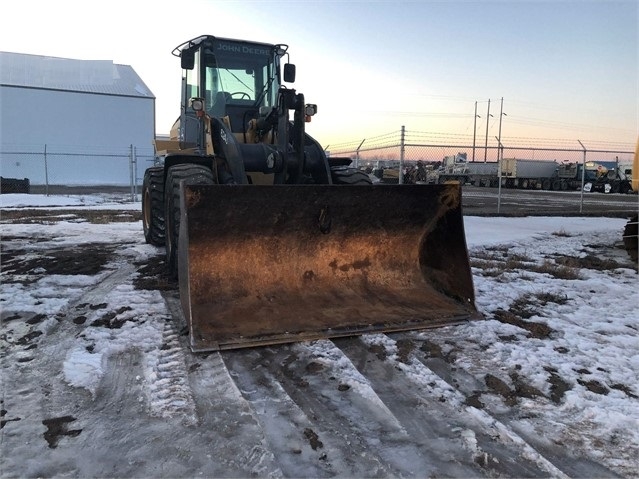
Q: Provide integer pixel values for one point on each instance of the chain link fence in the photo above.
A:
(54, 169)
(549, 165)
(397, 157)
(408, 148)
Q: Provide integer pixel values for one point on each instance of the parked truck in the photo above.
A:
(453, 168)
(606, 177)
(527, 174)
(598, 176)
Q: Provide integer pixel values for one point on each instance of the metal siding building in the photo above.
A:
(79, 117)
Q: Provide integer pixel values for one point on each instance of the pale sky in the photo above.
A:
(566, 70)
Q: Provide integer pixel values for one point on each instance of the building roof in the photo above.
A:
(87, 76)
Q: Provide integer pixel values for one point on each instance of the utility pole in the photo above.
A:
(401, 157)
(488, 115)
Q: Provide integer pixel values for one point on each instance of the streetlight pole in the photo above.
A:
(500, 159)
(501, 114)
(488, 115)
(475, 130)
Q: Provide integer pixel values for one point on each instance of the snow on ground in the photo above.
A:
(101, 201)
(572, 374)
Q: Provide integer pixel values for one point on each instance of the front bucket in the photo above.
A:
(273, 264)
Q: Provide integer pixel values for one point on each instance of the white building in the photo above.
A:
(73, 122)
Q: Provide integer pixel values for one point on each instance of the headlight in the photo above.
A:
(197, 104)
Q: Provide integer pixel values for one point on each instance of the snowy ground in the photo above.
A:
(97, 380)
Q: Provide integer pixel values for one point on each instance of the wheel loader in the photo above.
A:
(273, 241)
(631, 230)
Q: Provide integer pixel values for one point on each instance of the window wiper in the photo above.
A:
(266, 88)
(238, 79)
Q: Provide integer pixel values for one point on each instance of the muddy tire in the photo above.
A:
(191, 174)
(349, 176)
(630, 240)
(153, 206)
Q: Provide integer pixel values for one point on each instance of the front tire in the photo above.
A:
(153, 206)
(190, 174)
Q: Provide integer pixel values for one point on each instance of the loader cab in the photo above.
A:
(238, 80)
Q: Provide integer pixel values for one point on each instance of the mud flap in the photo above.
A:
(273, 264)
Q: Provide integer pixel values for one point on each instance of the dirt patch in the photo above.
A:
(526, 307)
(88, 260)
(404, 348)
(523, 389)
(474, 401)
(314, 367)
(111, 320)
(589, 261)
(379, 350)
(557, 271)
(625, 389)
(494, 262)
(520, 388)
(57, 427)
(434, 350)
(536, 330)
(43, 216)
(594, 386)
(3, 421)
(313, 439)
(558, 387)
(501, 388)
(152, 275)
(27, 338)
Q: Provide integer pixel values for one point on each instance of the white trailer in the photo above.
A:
(527, 174)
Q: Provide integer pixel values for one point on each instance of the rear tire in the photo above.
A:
(349, 176)
(191, 174)
(630, 239)
(616, 187)
(153, 206)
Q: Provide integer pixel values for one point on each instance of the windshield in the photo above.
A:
(240, 73)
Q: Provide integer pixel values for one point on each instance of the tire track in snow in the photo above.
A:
(434, 415)
(169, 390)
(553, 455)
(314, 386)
(226, 423)
(288, 430)
(495, 445)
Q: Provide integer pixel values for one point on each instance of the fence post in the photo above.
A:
(500, 158)
(135, 173)
(131, 171)
(583, 178)
(401, 157)
(46, 172)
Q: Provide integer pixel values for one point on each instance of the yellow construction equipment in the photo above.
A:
(273, 241)
(631, 231)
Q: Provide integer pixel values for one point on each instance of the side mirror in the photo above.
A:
(289, 73)
(187, 59)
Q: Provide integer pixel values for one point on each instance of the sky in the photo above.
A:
(127, 389)
(566, 70)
